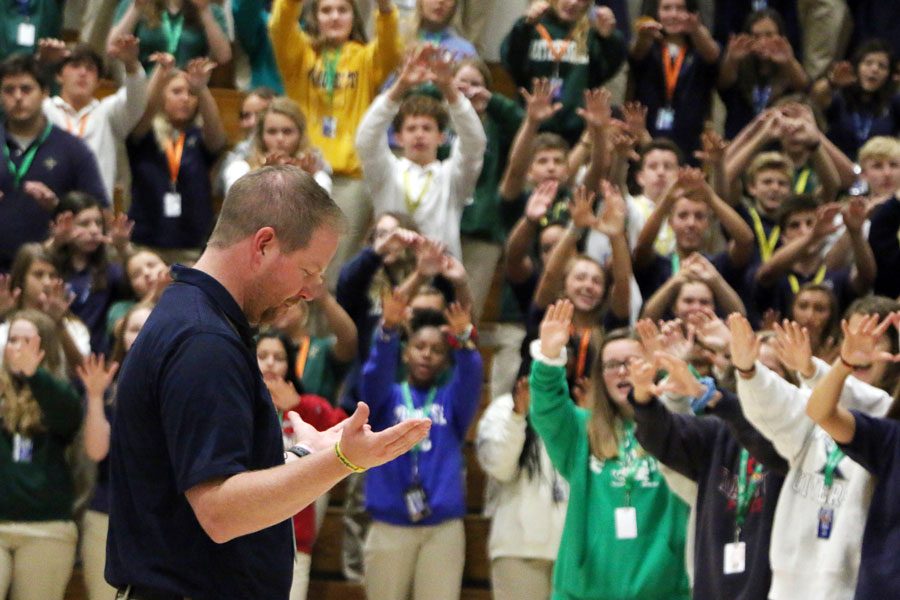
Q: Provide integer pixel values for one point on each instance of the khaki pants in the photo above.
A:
(480, 259)
(353, 199)
(36, 559)
(300, 583)
(427, 560)
(356, 526)
(514, 578)
(826, 27)
(95, 527)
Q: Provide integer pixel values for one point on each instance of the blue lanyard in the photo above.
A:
(24, 7)
(862, 125)
(761, 96)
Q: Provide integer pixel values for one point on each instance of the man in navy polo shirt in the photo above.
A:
(41, 162)
(201, 493)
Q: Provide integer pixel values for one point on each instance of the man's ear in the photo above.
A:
(264, 240)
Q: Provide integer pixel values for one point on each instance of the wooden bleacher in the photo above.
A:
(326, 579)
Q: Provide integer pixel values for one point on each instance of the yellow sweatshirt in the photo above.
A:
(361, 70)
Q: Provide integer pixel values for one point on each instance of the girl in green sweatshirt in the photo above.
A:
(625, 530)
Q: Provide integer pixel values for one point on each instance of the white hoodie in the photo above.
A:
(804, 566)
(527, 523)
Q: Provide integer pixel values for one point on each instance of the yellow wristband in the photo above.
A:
(345, 460)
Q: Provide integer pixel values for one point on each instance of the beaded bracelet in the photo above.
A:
(851, 366)
(345, 460)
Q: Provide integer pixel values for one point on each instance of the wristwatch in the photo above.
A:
(299, 450)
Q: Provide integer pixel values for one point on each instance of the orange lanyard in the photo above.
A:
(671, 69)
(301, 358)
(583, 345)
(173, 154)
(564, 44)
(82, 125)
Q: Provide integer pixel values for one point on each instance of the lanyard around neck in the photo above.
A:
(671, 70)
(795, 283)
(802, 180)
(766, 244)
(410, 408)
(302, 357)
(746, 489)
(557, 55)
(412, 204)
(174, 151)
(330, 59)
(835, 455)
(19, 173)
(628, 458)
(172, 30)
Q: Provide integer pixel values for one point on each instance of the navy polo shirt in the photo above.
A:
(63, 163)
(780, 295)
(92, 305)
(849, 126)
(192, 407)
(659, 270)
(150, 181)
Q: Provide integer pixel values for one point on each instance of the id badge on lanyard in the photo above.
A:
(23, 449)
(25, 34)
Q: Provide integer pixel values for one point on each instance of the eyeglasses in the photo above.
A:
(611, 366)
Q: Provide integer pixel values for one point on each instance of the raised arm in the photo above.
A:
(597, 115)
(128, 22)
(552, 280)
(219, 46)
(341, 325)
(648, 31)
(864, 269)
(611, 223)
(96, 377)
(198, 72)
(385, 52)
(784, 258)
(859, 349)
(500, 436)
(518, 263)
(703, 41)
(129, 102)
(158, 80)
(739, 47)
(539, 107)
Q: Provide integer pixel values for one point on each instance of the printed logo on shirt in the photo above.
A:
(540, 52)
(646, 474)
(728, 487)
(50, 163)
(342, 79)
(811, 485)
(401, 413)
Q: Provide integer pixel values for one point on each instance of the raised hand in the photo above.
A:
(539, 105)
(541, 200)
(536, 11)
(841, 74)
(642, 376)
(164, 61)
(744, 342)
(41, 194)
(597, 111)
(96, 375)
(453, 270)
(713, 147)
(458, 319)
(308, 162)
(57, 302)
(119, 228)
(711, 331)
(651, 338)
(674, 340)
(198, 72)
(649, 28)
(398, 238)
(125, 48)
(696, 266)
(861, 336)
(429, 257)
(8, 297)
(159, 285)
(854, 213)
(393, 308)
(554, 333)
(778, 50)
(792, 347)
(635, 115)
(415, 70)
(581, 208)
(61, 229)
(51, 51)
(739, 46)
(611, 221)
(679, 380)
(604, 21)
(824, 225)
(25, 358)
(283, 393)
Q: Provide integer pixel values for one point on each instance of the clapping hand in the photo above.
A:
(554, 333)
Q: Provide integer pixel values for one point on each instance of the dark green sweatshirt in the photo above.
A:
(41, 489)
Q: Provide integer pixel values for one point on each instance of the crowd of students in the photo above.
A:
(695, 358)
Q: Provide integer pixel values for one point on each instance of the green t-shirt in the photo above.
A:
(593, 563)
(191, 44)
(44, 15)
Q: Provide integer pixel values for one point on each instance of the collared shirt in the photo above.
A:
(103, 124)
(63, 163)
(192, 407)
(433, 195)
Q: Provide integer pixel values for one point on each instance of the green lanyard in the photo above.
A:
(628, 458)
(330, 61)
(834, 457)
(172, 31)
(19, 173)
(745, 492)
(676, 262)
(426, 407)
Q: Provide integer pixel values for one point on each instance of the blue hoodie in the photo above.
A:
(441, 466)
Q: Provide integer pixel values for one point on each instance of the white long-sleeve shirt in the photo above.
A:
(527, 522)
(803, 565)
(103, 124)
(445, 187)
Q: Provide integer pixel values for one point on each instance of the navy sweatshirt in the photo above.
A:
(886, 247)
(876, 447)
(707, 451)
